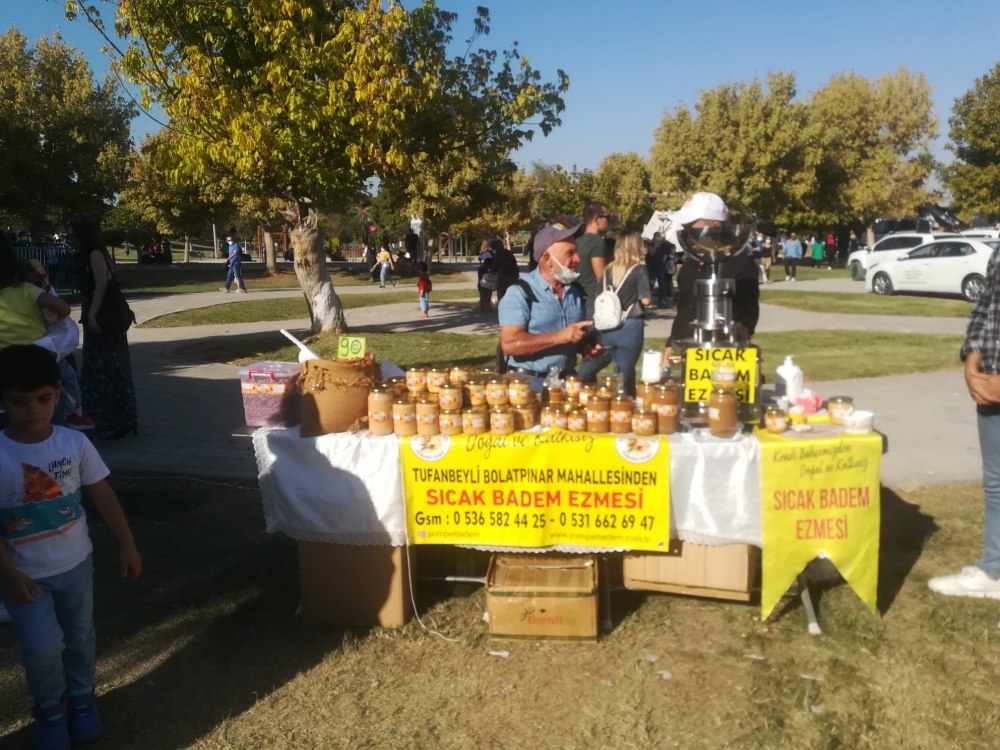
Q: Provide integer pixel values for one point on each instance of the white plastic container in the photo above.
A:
(271, 395)
(789, 380)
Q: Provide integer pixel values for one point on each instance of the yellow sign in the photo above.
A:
(351, 347)
(698, 366)
(538, 490)
(820, 495)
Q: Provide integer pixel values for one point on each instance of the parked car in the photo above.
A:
(891, 246)
(955, 265)
(982, 234)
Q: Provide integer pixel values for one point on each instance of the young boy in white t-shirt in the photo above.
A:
(46, 570)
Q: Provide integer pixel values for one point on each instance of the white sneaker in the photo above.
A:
(972, 582)
(4, 617)
(223, 289)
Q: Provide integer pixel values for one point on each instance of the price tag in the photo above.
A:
(351, 347)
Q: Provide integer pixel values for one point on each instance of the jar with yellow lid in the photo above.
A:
(380, 410)
(722, 406)
(644, 422)
(587, 392)
(501, 420)
(561, 417)
(450, 422)
(614, 384)
(775, 419)
(644, 395)
(524, 417)
(620, 415)
(427, 417)
(839, 407)
(475, 391)
(598, 415)
(404, 418)
(666, 401)
(547, 418)
(496, 392)
(519, 392)
(576, 420)
(450, 397)
(553, 394)
(436, 377)
(459, 375)
(474, 421)
(573, 386)
(416, 380)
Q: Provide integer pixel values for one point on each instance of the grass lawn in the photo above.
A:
(204, 651)
(866, 304)
(290, 308)
(167, 280)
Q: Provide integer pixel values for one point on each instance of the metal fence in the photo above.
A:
(57, 260)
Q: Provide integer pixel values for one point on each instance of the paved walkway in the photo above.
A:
(819, 285)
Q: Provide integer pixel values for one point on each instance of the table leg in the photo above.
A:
(807, 605)
(604, 584)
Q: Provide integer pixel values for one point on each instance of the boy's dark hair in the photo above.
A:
(27, 367)
(422, 266)
(593, 210)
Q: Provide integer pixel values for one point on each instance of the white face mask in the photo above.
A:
(565, 275)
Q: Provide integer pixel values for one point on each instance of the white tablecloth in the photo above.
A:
(348, 489)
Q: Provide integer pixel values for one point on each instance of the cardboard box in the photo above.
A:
(537, 597)
(724, 572)
(354, 585)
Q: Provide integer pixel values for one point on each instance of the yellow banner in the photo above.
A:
(698, 366)
(538, 489)
(820, 495)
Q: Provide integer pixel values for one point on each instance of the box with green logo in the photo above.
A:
(542, 597)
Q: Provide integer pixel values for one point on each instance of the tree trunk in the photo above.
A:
(269, 259)
(187, 249)
(325, 310)
(870, 235)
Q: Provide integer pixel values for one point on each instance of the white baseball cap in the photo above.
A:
(707, 206)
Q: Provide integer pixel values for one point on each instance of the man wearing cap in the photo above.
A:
(708, 210)
(541, 315)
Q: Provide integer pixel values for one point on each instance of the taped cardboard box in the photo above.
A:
(354, 585)
(533, 597)
(718, 572)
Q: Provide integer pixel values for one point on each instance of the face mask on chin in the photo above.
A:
(565, 275)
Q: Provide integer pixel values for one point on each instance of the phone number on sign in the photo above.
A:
(506, 519)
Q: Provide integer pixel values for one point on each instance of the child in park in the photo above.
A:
(46, 569)
(424, 289)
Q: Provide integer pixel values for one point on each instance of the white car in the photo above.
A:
(890, 246)
(956, 265)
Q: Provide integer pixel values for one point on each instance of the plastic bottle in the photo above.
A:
(789, 380)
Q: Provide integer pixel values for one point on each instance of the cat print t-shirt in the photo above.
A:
(42, 523)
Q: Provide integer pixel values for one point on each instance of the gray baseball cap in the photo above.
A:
(552, 234)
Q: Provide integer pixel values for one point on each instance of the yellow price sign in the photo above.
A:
(351, 347)
(698, 366)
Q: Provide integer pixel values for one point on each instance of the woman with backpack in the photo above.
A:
(627, 280)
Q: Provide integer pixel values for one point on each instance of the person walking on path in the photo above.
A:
(385, 261)
(793, 254)
(46, 563)
(424, 289)
(593, 250)
(235, 261)
(106, 372)
(371, 260)
(981, 353)
(830, 251)
(656, 269)
(624, 344)
(767, 259)
(504, 266)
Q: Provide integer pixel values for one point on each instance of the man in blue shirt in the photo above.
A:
(544, 329)
(793, 253)
(235, 262)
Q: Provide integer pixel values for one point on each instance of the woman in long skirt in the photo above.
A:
(106, 373)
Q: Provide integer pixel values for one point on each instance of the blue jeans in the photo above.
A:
(57, 635)
(658, 275)
(989, 444)
(425, 302)
(386, 274)
(624, 345)
(235, 272)
(72, 397)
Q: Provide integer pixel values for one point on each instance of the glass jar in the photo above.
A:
(459, 375)
(606, 394)
(380, 410)
(644, 422)
(587, 392)
(450, 422)
(496, 392)
(722, 412)
(553, 395)
(519, 392)
(723, 375)
(573, 386)
(404, 418)
(598, 415)
(775, 419)
(427, 417)
(576, 420)
(839, 407)
(666, 400)
(524, 417)
(644, 395)
(474, 422)
(614, 384)
(476, 391)
(621, 415)
(416, 380)
(398, 386)
(501, 421)
(547, 418)
(437, 377)
(450, 397)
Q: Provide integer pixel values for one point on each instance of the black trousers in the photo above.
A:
(791, 265)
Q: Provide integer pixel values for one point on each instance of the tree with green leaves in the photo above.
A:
(622, 182)
(561, 192)
(306, 100)
(64, 137)
(974, 177)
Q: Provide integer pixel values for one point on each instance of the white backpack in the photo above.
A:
(608, 313)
